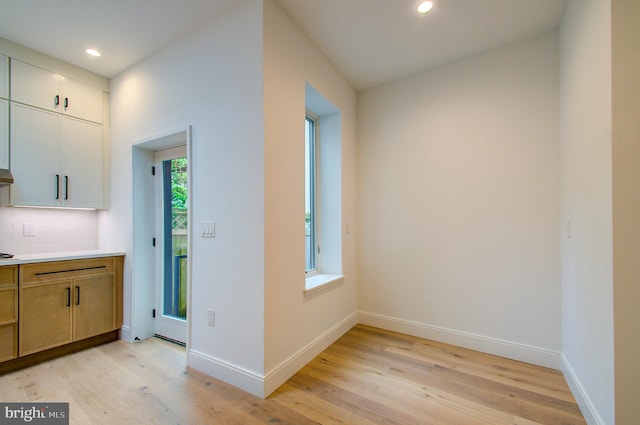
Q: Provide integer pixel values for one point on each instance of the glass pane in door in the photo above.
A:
(175, 237)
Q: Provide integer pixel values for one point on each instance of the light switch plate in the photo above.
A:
(211, 317)
(208, 229)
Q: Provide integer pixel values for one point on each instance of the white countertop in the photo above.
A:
(57, 256)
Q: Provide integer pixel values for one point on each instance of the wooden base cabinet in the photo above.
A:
(67, 301)
(8, 312)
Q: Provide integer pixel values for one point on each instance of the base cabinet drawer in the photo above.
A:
(8, 342)
(8, 276)
(8, 305)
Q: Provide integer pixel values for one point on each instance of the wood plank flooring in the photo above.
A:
(369, 376)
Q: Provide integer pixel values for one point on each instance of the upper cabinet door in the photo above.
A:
(81, 160)
(4, 134)
(43, 89)
(4, 77)
(80, 100)
(35, 157)
(35, 86)
(4, 112)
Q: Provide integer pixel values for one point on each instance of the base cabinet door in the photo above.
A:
(45, 316)
(94, 309)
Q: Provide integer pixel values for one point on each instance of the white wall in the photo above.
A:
(298, 327)
(211, 79)
(246, 129)
(587, 268)
(458, 190)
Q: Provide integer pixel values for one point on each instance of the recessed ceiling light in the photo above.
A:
(93, 52)
(425, 6)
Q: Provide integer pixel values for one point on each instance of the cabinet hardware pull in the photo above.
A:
(66, 187)
(57, 100)
(77, 295)
(71, 270)
(66, 102)
(68, 297)
(57, 186)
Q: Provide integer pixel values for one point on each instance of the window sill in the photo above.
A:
(321, 282)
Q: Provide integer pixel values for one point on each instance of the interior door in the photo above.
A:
(171, 244)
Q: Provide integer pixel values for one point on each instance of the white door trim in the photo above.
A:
(143, 256)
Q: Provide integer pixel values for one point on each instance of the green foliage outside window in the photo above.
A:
(179, 183)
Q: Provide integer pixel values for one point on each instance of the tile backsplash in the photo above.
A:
(53, 230)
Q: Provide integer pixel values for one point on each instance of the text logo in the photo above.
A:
(34, 413)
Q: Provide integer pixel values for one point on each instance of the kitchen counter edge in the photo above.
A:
(58, 256)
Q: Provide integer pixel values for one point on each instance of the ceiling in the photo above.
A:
(370, 41)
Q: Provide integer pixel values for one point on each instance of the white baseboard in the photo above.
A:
(262, 386)
(227, 372)
(582, 398)
(512, 350)
(279, 375)
(125, 333)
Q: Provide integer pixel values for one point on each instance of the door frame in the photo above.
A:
(143, 275)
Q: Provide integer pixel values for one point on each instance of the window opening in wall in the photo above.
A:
(323, 193)
(311, 234)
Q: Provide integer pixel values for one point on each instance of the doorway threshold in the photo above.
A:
(174, 341)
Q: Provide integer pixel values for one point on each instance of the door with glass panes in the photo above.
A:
(171, 244)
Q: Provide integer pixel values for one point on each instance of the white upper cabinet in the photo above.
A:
(34, 86)
(51, 136)
(35, 157)
(4, 77)
(4, 134)
(38, 87)
(81, 163)
(56, 161)
(80, 100)
(4, 112)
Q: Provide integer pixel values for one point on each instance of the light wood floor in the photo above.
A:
(369, 376)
